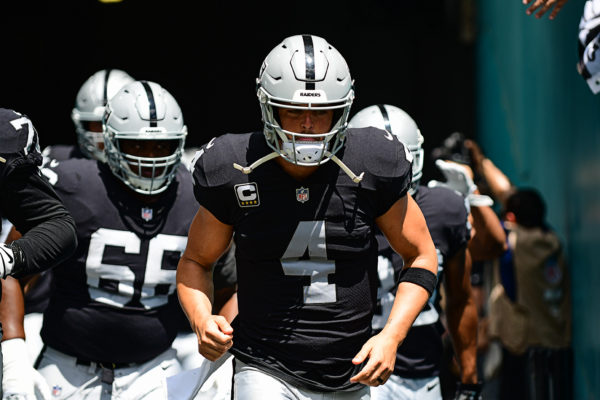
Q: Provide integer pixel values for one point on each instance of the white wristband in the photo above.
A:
(17, 370)
(7, 260)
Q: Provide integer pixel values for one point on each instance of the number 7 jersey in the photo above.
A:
(114, 300)
(306, 252)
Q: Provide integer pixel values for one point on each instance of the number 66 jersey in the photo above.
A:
(306, 252)
(114, 300)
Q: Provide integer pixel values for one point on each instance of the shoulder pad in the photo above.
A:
(67, 175)
(380, 152)
(213, 163)
(448, 202)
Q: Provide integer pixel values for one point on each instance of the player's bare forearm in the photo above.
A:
(12, 309)
(409, 302)
(195, 290)
(208, 239)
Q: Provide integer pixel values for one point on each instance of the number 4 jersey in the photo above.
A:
(306, 251)
(114, 300)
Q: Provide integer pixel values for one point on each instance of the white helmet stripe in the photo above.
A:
(151, 104)
(309, 57)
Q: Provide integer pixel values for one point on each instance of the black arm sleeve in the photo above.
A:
(47, 228)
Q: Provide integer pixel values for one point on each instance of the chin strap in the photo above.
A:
(247, 170)
(344, 167)
(262, 160)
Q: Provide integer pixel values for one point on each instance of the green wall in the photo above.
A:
(539, 122)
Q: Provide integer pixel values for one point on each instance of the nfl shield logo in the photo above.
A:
(302, 195)
(146, 214)
(56, 390)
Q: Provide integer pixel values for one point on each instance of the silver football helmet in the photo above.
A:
(143, 110)
(305, 72)
(400, 124)
(89, 107)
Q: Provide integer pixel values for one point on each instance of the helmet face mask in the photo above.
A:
(89, 108)
(400, 124)
(144, 112)
(304, 72)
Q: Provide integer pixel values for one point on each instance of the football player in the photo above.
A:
(113, 311)
(30, 203)
(418, 360)
(87, 116)
(303, 198)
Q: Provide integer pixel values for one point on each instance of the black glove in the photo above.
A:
(466, 391)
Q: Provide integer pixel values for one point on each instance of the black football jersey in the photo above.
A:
(114, 300)
(446, 213)
(19, 148)
(306, 252)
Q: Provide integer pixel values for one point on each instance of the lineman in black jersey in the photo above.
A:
(304, 228)
(417, 369)
(87, 119)
(113, 311)
(30, 203)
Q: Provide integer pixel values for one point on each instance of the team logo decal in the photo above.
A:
(146, 214)
(247, 194)
(56, 390)
(302, 194)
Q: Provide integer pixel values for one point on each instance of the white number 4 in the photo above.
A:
(311, 235)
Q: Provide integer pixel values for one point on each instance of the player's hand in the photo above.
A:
(215, 337)
(543, 6)
(7, 260)
(466, 391)
(20, 381)
(381, 352)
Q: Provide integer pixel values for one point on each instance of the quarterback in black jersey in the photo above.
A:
(30, 203)
(305, 226)
(113, 311)
(418, 361)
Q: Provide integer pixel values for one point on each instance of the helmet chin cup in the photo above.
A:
(304, 153)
